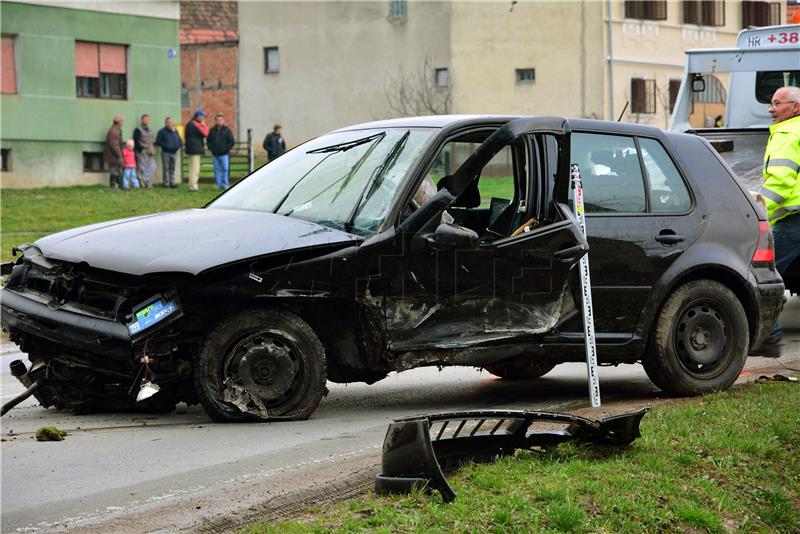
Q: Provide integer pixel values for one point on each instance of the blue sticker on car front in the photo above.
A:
(152, 314)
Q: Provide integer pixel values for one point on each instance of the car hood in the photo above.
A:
(189, 241)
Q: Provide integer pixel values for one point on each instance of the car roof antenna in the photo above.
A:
(623, 110)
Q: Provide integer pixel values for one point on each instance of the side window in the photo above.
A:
(668, 193)
(611, 173)
(497, 177)
(492, 207)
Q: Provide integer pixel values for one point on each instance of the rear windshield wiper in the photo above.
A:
(344, 147)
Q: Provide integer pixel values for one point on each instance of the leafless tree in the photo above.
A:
(410, 93)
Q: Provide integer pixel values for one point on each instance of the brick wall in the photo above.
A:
(209, 49)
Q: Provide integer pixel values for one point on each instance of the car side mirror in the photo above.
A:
(450, 236)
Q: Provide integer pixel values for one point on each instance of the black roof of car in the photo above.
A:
(447, 121)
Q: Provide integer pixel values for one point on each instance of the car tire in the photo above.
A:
(520, 368)
(699, 341)
(274, 354)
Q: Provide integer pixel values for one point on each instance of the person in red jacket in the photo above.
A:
(195, 132)
(129, 162)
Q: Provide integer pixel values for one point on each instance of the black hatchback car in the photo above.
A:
(398, 244)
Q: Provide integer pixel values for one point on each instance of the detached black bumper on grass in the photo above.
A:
(417, 449)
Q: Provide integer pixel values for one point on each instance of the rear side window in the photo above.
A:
(611, 173)
(768, 82)
(668, 193)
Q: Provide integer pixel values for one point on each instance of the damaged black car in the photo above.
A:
(398, 244)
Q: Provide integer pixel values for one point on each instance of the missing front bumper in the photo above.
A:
(416, 450)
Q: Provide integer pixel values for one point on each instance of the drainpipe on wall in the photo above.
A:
(583, 58)
(610, 60)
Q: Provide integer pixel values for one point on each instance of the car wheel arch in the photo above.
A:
(721, 273)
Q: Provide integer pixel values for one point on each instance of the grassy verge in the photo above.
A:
(728, 462)
(28, 214)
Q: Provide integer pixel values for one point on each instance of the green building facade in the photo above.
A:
(50, 134)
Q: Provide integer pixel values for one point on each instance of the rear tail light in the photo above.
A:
(764, 256)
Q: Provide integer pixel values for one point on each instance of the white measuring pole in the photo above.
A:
(586, 290)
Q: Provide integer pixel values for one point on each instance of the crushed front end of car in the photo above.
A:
(93, 337)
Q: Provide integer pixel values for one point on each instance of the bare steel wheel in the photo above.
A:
(260, 364)
(699, 341)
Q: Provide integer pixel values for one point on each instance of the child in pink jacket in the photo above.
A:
(129, 162)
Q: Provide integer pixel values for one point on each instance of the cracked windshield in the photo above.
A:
(344, 180)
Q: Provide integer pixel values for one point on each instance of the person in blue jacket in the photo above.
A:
(170, 142)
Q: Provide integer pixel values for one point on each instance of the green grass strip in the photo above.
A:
(728, 462)
(28, 214)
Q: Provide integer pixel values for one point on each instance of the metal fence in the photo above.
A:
(241, 162)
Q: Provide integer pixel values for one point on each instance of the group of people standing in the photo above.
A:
(132, 163)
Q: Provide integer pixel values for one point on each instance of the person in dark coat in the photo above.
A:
(195, 133)
(112, 152)
(170, 142)
(220, 142)
(274, 143)
(145, 152)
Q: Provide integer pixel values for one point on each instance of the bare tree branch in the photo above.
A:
(416, 93)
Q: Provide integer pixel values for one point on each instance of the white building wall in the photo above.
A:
(335, 59)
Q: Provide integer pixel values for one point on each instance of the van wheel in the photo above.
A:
(699, 341)
(520, 368)
(259, 364)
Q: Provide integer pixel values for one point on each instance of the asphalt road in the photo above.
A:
(119, 472)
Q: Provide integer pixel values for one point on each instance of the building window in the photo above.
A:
(526, 75)
(442, 77)
(185, 103)
(704, 12)
(101, 70)
(94, 162)
(674, 89)
(398, 8)
(643, 95)
(9, 72)
(653, 10)
(271, 64)
(760, 14)
(6, 154)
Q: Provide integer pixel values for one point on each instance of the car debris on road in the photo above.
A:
(416, 450)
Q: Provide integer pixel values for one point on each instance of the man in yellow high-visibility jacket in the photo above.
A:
(781, 189)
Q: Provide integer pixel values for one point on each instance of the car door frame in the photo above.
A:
(415, 231)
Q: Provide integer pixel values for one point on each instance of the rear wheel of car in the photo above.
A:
(699, 341)
(261, 364)
(520, 368)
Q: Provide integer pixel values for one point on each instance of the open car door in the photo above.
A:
(469, 286)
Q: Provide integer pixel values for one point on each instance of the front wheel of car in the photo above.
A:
(699, 341)
(261, 364)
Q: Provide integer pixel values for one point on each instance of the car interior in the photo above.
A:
(496, 205)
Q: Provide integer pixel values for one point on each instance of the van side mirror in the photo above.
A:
(698, 84)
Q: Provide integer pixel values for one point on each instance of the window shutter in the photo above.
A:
(774, 14)
(674, 88)
(659, 10)
(9, 72)
(87, 60)
(690, 12)
(112, 59)
(637, 95)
